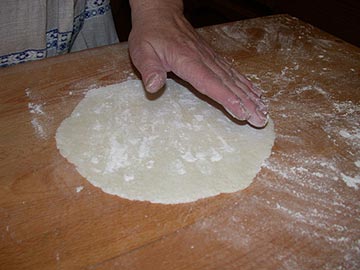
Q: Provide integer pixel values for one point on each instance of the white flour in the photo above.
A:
(40, 119)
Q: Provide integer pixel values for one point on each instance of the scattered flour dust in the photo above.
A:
(351, 181)
(39, 128)
(174, 149)
(40, 119)
(79, 189)
(35, 108)
(305, 194)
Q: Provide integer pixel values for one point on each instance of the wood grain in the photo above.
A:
(301, 211)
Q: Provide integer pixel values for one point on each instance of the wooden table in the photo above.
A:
(302, 210)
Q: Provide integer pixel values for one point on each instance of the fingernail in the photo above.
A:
(258, 119)
(262, 107)
(152, 83)
(263, 116)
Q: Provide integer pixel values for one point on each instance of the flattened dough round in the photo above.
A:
(174, 149)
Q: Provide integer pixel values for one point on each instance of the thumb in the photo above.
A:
(149, 65)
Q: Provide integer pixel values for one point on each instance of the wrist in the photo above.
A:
(145, 8)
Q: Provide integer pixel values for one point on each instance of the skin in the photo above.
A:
(162, 40)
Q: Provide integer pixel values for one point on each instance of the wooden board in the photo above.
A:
(301, 211)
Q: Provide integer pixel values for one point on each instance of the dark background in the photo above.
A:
(338, 17)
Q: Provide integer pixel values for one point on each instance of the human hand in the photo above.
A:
(162, 40)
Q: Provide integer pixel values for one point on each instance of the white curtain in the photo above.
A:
(35, 29)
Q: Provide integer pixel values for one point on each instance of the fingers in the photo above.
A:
(149, 65)
(244, 89)
(227, 67)
(234, 73)
(219, 84)
(239, 85)
(208, 83)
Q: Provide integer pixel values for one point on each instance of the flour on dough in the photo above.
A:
(174, 149)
